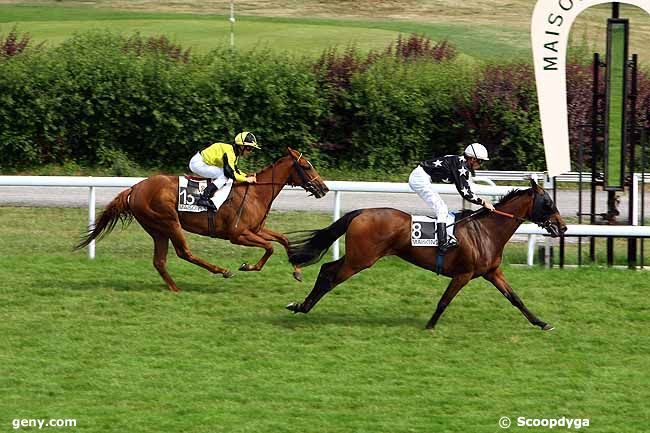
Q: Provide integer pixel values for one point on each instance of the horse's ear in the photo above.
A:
(533, 184)
(290, 150)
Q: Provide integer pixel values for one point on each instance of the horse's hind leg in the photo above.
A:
(324, 283)
(498, 279)
(457, 283)
(183, 251)
(252, 239)
(161, 246)
(270, 235)
(331, 275)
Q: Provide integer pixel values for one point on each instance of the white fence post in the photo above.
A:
(532, 241)
(634, 196)
(91, 220)
(337, 215)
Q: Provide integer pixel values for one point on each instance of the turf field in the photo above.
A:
(483, 30)
(308, 36)
(102, 342)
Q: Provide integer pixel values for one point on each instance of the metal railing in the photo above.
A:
(340, 187)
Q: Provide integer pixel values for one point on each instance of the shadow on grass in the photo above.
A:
(314, 320)
(135, 285)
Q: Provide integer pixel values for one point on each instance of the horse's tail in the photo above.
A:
(311, 247)
(117, 210)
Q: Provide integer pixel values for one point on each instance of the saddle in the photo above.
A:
(424, 233)
(190, 189)
(423, 229)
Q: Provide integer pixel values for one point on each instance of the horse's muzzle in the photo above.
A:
(317, 189)
(555, 229)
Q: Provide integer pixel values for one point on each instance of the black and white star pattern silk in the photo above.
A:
(452, 169)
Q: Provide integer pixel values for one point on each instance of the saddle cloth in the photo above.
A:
(189, 191)
(423, 230)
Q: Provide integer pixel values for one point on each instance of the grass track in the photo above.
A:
(299, 35)
(485, 30)
(102, 342)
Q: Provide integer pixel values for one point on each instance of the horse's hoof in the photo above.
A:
(228, 274)
(548, 327)
(243, 267)
(297, 276)
(293, 306)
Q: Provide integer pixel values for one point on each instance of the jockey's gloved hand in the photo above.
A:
(488, 204)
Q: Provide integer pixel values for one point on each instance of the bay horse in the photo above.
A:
(374, 233)
(152, 202)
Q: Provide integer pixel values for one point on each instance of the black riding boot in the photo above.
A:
(444, 242)
(207, 193)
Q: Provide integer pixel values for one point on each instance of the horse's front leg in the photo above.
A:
(497, 278)
(270, 235)
(457, 283)
(250, 239)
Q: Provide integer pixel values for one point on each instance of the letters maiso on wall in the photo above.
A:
(550, 27)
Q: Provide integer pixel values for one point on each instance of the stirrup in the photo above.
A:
(452, 242)
(206, 202)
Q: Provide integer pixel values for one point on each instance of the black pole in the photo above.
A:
(632, 142)
(580, 168)
(611, 216)
(615, 9)
(594, 152)
(561, 238)
(644, 142)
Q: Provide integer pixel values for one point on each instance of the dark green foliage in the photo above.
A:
(405, 113)
(503, 115)
(101, 97)
(383, 105)
(122, 102)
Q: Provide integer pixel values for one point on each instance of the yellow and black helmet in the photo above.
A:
(246, 139)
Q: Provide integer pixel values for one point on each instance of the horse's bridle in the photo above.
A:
(536, 215)
(308, 183)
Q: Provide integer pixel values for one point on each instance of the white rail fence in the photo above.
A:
(340, 187)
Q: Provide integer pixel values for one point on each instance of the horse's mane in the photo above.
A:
(512, 194)
(502, 200)
(270, 166)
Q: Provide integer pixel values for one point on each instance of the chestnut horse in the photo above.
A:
(240, 219)
(375, 233)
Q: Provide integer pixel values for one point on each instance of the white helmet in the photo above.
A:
(478, 151)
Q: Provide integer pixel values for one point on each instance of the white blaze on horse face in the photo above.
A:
(551, 23)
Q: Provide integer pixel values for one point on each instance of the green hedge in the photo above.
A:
(89, 100)
(96, 102)
(406, 112)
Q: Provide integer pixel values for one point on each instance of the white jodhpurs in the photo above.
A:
(420, 183)
(198, 166)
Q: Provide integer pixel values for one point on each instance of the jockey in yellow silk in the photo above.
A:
(219, 163)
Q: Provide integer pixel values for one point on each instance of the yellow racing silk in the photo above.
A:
(223, 155)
